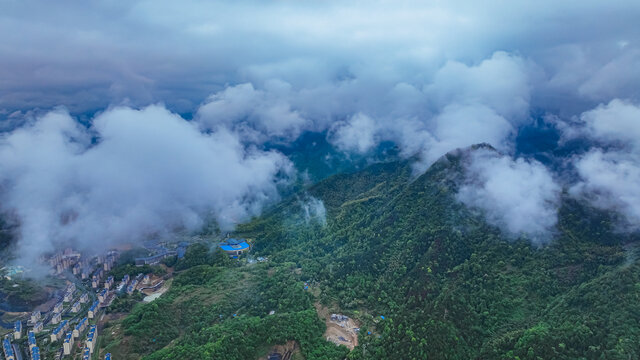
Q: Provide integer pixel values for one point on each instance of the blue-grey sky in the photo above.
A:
(89, 55)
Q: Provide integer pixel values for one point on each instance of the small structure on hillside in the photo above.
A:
(235, 247)
(56, 318)
(17, 330)
(35, 316)
(8, 349)
(38, 327)
(93, 310)
(59, 331)
(68, 343)
(339, 317)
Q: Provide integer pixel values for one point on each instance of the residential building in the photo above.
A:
(79, 329)
(132, 287)
(56, 318)
(92, 337)
(108, 283)
(102, 295)
(59, 331)
(35, 316)
(75, 307)
(58, 308)
(86, 354)
(17, 330)
(68, 343)
(38, 327)
(31, 336)
(93, 310)
(35, 353)
(8, 350)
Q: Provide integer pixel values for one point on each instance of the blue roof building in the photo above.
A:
(57, 333)
(234, 247)
(86, 354)
(107, 357)
(93, 309)
(8, 349)
(17, 329)
(32, 339)
(35, 353)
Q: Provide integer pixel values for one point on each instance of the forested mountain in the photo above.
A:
(426, 277)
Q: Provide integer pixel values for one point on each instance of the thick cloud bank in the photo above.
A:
(519, 196)
(133, 173)
(428, 76)
(461, 106)
(610, 176)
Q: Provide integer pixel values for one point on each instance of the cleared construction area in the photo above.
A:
(341, 329)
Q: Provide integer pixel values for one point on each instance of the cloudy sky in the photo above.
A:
(145, 116)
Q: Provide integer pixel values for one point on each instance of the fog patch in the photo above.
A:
(313, 210)
(519, 196)
(609, 174)
(129, 175)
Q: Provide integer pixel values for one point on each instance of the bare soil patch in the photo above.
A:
(341, 330)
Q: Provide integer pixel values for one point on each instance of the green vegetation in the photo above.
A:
(222, 312)
(124, 302)
(202, 254)
(22, 293)
(448, 285)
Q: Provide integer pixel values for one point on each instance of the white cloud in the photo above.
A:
(313, 210)
(149, 171)
(500, 83)
(519, 196)
(609, 177)
(265, 111)
(616, 121)
(357, 134)
(610, 180)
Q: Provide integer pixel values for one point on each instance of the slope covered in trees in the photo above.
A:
(426, 277)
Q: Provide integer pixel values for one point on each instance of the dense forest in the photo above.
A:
(426, 277)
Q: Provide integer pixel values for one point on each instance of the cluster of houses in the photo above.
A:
(65, 260)
(7, 346)
(67, 332)
(63, 332)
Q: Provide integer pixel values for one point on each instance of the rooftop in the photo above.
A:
(234, 244)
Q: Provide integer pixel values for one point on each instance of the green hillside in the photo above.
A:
(448, 285)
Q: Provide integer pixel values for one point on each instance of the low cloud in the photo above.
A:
(609, 176)
(519, 196)
(131, 174)
(610, 180)
(616, 122)
(358, 134)
(261, 115)
(313, 210)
